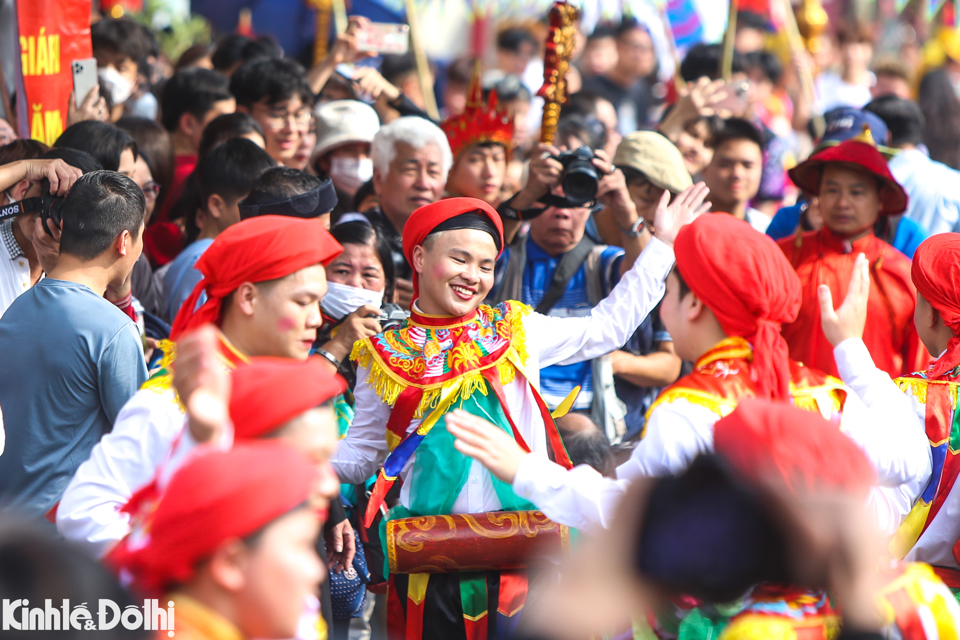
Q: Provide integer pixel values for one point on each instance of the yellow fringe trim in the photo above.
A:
(388, 385)
(917, 387)
(162, 383)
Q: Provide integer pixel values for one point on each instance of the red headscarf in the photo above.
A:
(255, 250)
(216, 495)
(428, 217)
(936, 274)
(767, 441)
(743, 277)
(268, 392)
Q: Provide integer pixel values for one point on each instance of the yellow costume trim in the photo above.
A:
(909, 530)
(388, 385)
(716, 404)
(917, 387)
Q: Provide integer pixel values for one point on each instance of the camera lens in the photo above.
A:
(580, 182)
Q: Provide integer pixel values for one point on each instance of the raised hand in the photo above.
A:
(60, 174)
(850, 318)
(686, 207)
(202, 384)
(492, 447)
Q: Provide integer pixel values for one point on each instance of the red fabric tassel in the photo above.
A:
(513, 592)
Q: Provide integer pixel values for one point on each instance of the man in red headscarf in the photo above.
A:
(855, 187)
(231, 542)
(455, 352)
(263, 279)
(929, 533)
(731, 290)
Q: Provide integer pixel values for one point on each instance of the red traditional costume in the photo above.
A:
(456, 543)
(823, 257)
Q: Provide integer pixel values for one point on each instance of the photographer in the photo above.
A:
(19, 181)
(557, 239)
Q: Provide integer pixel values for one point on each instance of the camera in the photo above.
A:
(580, 179)
(46, 205)
(392, 316)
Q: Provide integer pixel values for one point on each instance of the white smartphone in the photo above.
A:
(84, 79)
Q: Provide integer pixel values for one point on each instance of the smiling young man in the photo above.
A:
(480, 138)
(455, 352)
(855, 187)
(276, 93)
(263, 279)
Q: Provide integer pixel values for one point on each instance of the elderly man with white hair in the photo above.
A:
(411, 159)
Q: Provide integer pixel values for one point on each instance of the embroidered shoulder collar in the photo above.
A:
(429, 355)
(730, 348)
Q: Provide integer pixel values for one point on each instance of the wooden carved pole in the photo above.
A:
(556, 61)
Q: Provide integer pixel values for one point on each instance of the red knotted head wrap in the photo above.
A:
(268, 392)
(254, 250)
(428, 217)
(216, 495)
(742, 276)
(936, 274)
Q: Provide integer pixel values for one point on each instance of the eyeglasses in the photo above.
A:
(276, 118)
(151, 190)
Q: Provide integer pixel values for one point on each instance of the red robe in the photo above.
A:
(822, 257)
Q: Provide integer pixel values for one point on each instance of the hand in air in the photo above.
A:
(685, 208)
(482, 441)
(202, 384)
(849, 320)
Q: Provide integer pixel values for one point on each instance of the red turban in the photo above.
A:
(255, 250)
(936, 274)
(428, 217)
(269, 392)
(767, 441)
(216, 495)
(742, 276)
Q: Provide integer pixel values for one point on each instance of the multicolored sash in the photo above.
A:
(942, 424)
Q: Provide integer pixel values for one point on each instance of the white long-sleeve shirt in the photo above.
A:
(856, 367)
(123, 461)
(549, 341)
(679, 431)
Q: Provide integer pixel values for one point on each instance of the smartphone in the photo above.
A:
(84, 79)
(383, 37)
(736, 100)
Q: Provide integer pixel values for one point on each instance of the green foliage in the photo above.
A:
(174, 33)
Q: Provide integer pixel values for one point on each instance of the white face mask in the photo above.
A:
(119, 87)
(349, 173)
(342, 299)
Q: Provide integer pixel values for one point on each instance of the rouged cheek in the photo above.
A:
(286, 324)
(439, 272)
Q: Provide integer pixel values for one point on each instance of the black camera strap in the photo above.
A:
(568, 265)
(30, 205)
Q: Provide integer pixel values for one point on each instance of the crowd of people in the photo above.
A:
(286, 354)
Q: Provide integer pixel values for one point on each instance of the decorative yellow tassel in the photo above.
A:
(917, 387)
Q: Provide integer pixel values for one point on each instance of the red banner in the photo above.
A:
(53, 33)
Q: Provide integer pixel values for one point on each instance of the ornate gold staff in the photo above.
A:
(556, 61)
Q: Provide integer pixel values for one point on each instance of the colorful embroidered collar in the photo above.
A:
(429, 353)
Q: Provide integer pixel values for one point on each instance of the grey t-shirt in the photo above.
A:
(69, 360)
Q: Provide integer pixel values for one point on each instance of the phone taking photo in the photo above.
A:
(384, 38)
(84, 79)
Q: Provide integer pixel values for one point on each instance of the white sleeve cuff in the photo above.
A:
(533, 470)
(657, 258)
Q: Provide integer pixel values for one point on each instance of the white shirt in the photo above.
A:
(832, 92)
(123, 461)
(679, 431)
(933, 190)
(14, 267)
(935, 545)
(549, 341)
(757, 219)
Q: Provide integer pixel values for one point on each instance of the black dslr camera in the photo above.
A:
(46, 205)
(392, 316)
(580, 179)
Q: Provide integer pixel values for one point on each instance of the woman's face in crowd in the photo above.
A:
(305, 150)
(284, 125)
(479, 172)
(358, 266)
(849, 200)
(692, 143)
